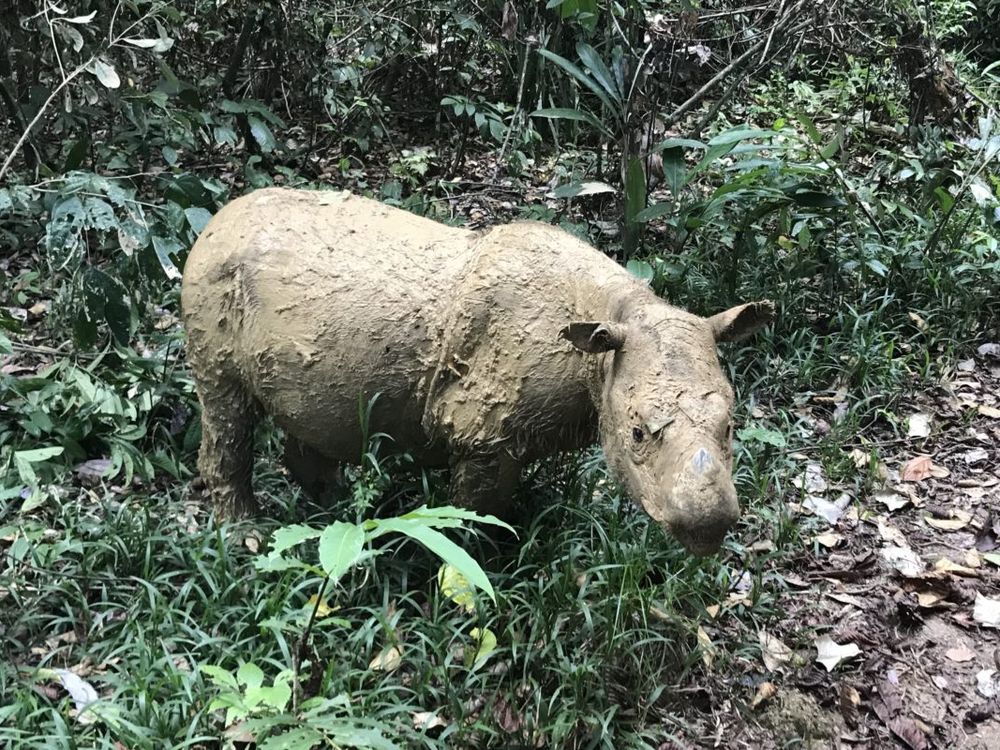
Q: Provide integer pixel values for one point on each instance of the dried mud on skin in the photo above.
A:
(928, 671)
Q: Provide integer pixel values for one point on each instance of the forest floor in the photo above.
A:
(902, 581)
(907, 578)
(905, 581)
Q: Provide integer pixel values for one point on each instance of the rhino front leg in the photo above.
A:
(225, 460)
(485, 483)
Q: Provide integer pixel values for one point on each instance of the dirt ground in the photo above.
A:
(903, 581)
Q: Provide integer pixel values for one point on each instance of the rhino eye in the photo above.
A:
(637, 434)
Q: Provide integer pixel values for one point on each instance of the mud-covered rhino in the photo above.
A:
(488, 350)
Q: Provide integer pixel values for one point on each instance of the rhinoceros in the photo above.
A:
(487, 351)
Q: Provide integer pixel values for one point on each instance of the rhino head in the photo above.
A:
(666, 412)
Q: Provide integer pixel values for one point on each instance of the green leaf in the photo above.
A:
(289, 536)
(565, 113)
(443, 547)
(76, 154)
(6, 347)
(250, 675)
(219, 676)
(817, 199)
(583, 79)
(164, 247)
(655, 211)
(197, 217)
(640, 269)
(877, 267)
(486, 644)
(273, 563)
(810, 127)
(169, 155)
(262, 134)
(679, 143)
(575, 189)
(105, 73)
(595, 65)
(107, 298)
(456, 587)
(757, 434)
(299, 738)
(157, 45)
(635, 189)
(736, 135)
(36, 455)
(340, 547)
(435, 515)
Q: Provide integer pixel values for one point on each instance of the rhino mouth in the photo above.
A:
(702, 545)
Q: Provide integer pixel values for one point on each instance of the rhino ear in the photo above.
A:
(736, 323)
(594, 337)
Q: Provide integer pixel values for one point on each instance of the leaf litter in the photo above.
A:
(905, 583)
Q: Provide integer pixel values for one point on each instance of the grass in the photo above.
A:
(607, 633)
(596, 619)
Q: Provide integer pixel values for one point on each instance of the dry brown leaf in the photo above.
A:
(989, 411)
(919, 468)
(712, 610)
(945, 565)
(765, 692)
(850, 701)
(706, 646)
(829, 653)
(424, 720)
(960, 654)
(860, 458)
(830, 539)
(773, 651)
(904, 560)
(847, 599)
(918, 425)
(387, 660)
(890, 533)
(929, 599)
(960, 519)
(909, 732)
(891, 500)
(986, 611)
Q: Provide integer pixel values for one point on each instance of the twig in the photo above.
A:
(697, 96)
(300, 646)
(517, 111)
(770, 36)
(38, 115)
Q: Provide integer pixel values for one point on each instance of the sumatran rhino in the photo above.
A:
(488, 350)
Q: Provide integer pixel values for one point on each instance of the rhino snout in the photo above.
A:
(702, 506)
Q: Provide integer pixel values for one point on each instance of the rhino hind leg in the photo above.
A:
(225, 461)
(314, 472)
(485, 483)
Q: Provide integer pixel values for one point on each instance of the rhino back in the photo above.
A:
(319, 300)
(505, 377)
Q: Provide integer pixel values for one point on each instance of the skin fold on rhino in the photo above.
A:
(488, 350)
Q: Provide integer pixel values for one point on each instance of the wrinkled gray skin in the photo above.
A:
(488, 351)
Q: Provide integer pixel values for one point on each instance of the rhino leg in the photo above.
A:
(228, 418)
(313, 471)
(485, 483)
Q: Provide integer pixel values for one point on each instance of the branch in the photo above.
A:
(38, 115)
